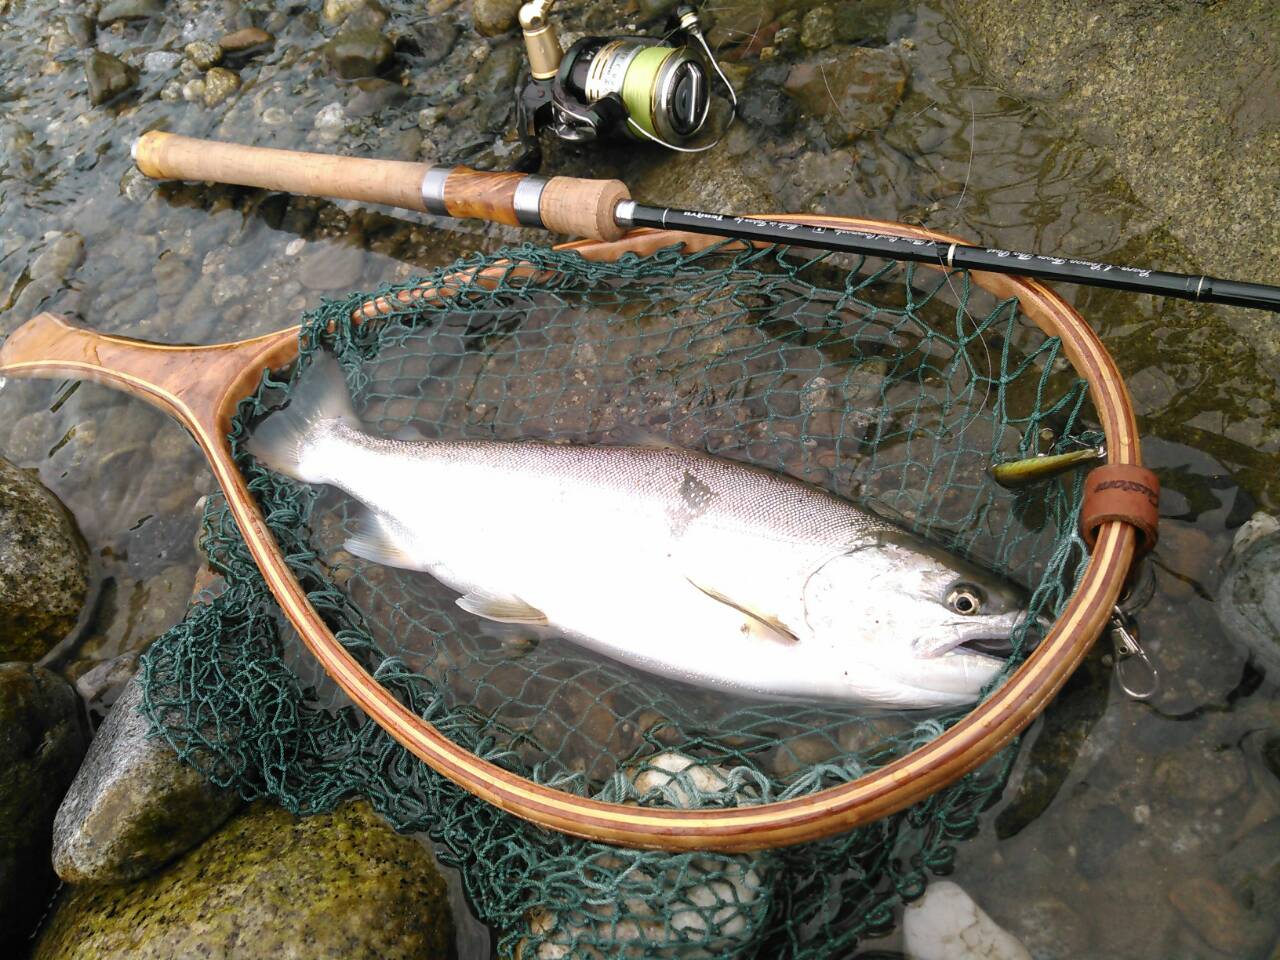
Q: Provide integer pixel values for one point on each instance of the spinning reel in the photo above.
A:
(641, 86)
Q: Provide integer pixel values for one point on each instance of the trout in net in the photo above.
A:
(686, 565)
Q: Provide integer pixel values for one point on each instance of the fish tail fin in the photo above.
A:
(285, 438)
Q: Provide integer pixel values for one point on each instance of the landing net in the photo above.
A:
(893, 385)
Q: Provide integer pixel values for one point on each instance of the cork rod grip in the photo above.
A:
(568, 205)
(169, 156)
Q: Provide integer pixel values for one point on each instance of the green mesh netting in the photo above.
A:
(892, 386)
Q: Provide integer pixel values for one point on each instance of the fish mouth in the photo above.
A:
(1001, 648)
(994, 648)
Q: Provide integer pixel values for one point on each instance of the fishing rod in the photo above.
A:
(604, 210)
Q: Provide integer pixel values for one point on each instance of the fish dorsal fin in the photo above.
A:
(504, 608)
(763, 625)
(374, 541)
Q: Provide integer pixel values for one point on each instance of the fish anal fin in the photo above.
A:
(759, 624)
(375, 542)
(503, 608)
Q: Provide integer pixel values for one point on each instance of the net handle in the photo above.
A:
(966, 745)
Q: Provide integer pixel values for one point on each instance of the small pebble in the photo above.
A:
(160, 61)
(219, 83)
(203, 53)
(246, 39)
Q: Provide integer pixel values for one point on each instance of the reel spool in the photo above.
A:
(639, 86)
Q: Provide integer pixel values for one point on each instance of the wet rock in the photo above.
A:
(1249, 594)
(375, 95)
(495, 87)
(945, 924)
(134, 805)
(852, 93)
(331, 267)
(115, 10)
(1251, 869)
(42, 737)
(330, 122)
(434, 39)
(1049, 929)
(652, 9)
(337, 11)
(250, 38)
(818, 28)
(340, 884)
(492, 17)
(867, 20)
(1142, 89)
(358, 53)
(701, 181)
(107, 77)
(100, 684)
(81, 28)
(219, 83)
(762, 104)
(739, 22)
(1210, 910)
(203, 53)
(160, 61)
(59, 259)
(1200, 776)
(44, 567)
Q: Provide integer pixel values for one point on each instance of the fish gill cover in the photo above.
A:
(893, 386)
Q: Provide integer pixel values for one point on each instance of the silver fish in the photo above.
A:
(679, 563)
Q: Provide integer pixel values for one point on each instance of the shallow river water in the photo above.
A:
(1116, 810)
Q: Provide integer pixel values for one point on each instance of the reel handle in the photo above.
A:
(567, 205)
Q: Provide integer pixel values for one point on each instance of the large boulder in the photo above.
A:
(134, 805)
(269, 884)
(44, 567)
(42, 738)
(1175, 93)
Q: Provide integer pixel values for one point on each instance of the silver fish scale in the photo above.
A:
(693, 489)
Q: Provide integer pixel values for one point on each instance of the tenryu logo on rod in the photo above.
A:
(642, 86)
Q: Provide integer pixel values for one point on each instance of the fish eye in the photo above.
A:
(965, 599)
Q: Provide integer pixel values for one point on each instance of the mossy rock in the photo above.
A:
(42, 738)
(44, 567)
(269, 884)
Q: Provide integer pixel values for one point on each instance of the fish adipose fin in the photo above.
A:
(504, 608)
(763, 625)
(375, 542)
(282, 439)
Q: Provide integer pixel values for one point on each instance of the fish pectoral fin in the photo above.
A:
(759, 624)
(373, 541)
(504, 608)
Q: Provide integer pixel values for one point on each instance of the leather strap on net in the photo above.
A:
(1125, 493)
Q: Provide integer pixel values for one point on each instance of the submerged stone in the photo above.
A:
(250, 38)
(107, 76)
(134, 805)
(219, 83)
(852, 93)
(1210, 910)
(269, 884)
(1249, 596)
(945, 924)
(42, 738)
(358, 53)
(492, 17)
(44, 567)
(129, 10)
